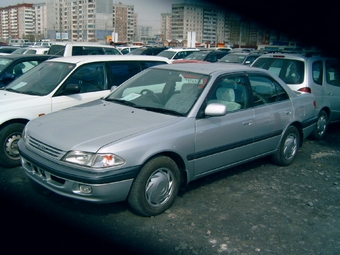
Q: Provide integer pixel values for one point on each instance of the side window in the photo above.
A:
(77, 51)
(23, 67)
(265, 90)
(121, 71)
(333, 72)
(317, 71)
(231, 91)
(89, 78)
(147, 64)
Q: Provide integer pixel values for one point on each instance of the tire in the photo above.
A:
(9, 137)
(321, 126)
(288, 147)
(156, 187)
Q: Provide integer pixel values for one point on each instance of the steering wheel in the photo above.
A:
(151, 95)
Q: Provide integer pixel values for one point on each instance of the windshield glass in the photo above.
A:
(167, 54)
(42, 79)
(197, 55)
(165, 91)
(233, 58)
(4, 62)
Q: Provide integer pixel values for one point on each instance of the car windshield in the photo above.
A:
(4, 62)
(158, 90)
(291, 71)
(167, 54)
(197, 55)
(42, 79)
(233, 58)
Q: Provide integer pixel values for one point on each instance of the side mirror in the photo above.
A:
(71, 89)
(215, 109)
(8, 77)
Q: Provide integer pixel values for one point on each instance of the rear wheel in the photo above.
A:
(288, 147)
(156, 186)
(321, 126)
(9, 137)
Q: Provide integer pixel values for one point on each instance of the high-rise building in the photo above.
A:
(211, 24)
(88, 21)
(166, 26)
(124, 22)
(40, 22)
(17, 21)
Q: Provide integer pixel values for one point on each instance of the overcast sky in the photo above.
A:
(149, 11)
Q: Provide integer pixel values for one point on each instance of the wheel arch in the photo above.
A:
(299, 127)
(178, 160)
(13, 121)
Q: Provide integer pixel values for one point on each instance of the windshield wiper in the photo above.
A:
(120, 101)
(160, 110)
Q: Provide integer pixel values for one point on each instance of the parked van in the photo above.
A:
(309, 73)
(68, 49)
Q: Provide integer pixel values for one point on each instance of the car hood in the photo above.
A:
(90, 126)
(12, 99)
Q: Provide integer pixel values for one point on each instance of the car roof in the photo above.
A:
(98, 58)
(209, 68)
(23, 56)
(182, 49)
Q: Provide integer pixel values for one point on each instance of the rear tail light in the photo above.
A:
(305, 89)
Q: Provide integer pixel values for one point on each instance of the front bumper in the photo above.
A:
(113, 187)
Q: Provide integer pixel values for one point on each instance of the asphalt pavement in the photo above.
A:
(256, 208)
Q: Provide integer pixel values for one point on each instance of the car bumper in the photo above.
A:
(83, 188)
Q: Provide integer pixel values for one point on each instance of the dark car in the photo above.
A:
(148, 50)
(8, 49)
(14, 65)
(207, 55)
(240, 58)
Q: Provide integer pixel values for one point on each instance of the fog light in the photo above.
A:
(85, 189)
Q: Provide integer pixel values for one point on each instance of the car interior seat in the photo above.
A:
(182, 102)
(226, 96)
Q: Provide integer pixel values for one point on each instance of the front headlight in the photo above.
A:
(96, 160)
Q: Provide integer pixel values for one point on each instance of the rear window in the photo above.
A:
(289, 70)
(122, 71)
(57, 50)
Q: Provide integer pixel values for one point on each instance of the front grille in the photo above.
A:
(44, 149)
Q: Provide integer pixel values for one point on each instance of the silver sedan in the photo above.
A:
(163, 128)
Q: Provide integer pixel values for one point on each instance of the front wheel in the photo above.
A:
(288, 147)
(9, 137)
(321, 126)
(156, 186)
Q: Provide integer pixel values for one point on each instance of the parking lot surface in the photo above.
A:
(257, 208)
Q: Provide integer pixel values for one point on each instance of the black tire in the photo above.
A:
(321, 126)
(156, 187)
(288, 147)
(9, 137)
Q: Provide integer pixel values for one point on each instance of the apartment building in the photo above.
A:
(80, 20)
(211, 24)
(124, 22)
(166, 26)
(17, 21)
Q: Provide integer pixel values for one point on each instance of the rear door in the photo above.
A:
(333, 87)
(273, 112)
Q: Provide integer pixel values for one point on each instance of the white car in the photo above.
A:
(57, 84)
(67, 49)
(177, 53)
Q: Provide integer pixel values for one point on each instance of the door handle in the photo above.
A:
(247, 123)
